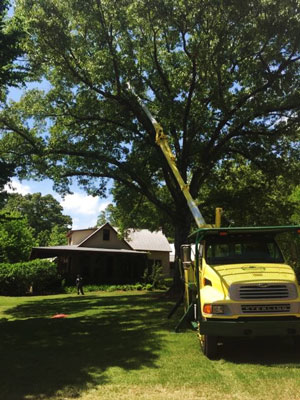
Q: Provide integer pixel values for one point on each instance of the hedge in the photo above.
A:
(34, 277)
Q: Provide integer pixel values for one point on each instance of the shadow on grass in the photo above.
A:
(268, 351)
(41, 356)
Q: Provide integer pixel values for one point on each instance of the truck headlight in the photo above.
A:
(213, 309)
(218, 309)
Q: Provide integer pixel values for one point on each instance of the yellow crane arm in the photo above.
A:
(162, 141)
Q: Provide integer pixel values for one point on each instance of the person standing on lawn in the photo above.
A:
(79, 284)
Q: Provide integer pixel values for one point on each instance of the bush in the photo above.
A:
(153, 276)
(110, 288)
(36, 277)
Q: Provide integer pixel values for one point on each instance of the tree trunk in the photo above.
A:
(182, 231)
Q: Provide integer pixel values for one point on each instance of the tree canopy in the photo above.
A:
(222, 78)
(44, 216)
(248, 197)
(11, 73)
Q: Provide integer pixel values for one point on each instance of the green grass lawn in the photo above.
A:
(122, 346)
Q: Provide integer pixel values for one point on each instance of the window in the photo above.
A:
(106, 234)
(240, 249)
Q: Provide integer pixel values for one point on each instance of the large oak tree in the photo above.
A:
(222, 78)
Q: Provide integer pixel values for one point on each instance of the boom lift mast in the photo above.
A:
(162, 141)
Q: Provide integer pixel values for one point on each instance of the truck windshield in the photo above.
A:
(235, 249)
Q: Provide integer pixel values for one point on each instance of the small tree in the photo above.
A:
(16, 238)
(57, 237)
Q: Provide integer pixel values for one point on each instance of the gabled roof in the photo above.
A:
(143, 239)
(81, 244)
(137, 239)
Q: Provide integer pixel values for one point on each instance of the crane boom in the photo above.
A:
(162, 141)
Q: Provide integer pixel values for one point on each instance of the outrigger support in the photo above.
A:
(179, 301)
(186, 317)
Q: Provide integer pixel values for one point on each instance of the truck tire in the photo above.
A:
(209, 346)
(296, 340)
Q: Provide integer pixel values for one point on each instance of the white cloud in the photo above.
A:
(17, 187)
(81, 204)
(83, 209)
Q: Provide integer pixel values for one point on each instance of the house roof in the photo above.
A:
(98, 230)
(138, 241)
(143, 239)
(63, 250)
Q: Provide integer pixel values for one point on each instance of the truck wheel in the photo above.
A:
(297, 342)
(209, 346)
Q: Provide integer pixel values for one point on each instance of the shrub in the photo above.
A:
(36, 276)
(153, 276)
(110, 288)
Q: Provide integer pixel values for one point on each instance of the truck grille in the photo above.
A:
(265, 308)
(267, 291)
(264, 292)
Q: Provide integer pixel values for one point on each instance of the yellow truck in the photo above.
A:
(237, 283)
(240, 285)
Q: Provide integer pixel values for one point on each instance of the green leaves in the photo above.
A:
(37, 276)
(222, 78)
(44, 215)
(11, 72)
(16, 238)
(250, 197)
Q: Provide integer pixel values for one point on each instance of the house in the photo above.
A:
(101, 256)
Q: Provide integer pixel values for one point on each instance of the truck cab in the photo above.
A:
(242, 285)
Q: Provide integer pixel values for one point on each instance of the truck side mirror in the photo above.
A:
(186, 255)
